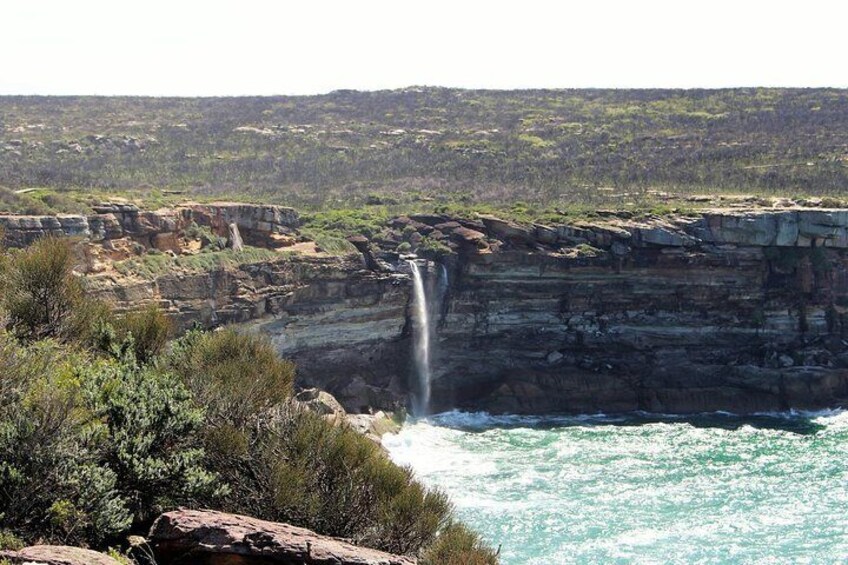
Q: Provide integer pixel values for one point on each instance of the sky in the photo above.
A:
(253, 47)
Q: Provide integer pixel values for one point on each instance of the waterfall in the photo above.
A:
(421, 336)
(443, 287)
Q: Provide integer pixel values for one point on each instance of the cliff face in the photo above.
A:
(732, 310)
(341, 323)
(152, 229)
(725, 311)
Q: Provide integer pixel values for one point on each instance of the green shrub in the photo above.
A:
(89, 447)
(586, 250)
(85, 325)
(15, 203)
(119, 556)
(152, 427)
(52, 486)
(43, 298)
(10, 542)
(286, 464)
(283, 463)
(41, 289)
(330, 243)
(235, 376)
(154, 263)
(147, 331)
(433, 249)
(458, 545)
(342, 223)
(205, 236)
(302, 469)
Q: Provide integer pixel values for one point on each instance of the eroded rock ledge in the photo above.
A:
(216, 538)
(727, 309)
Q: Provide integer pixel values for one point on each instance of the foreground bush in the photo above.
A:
(101, 430)
(295, 466)
(41, 290)
(151, 425)
(283, 463)
(90, 447)
(147, 329)
(458, 545)
(234, 376)
(52, 485)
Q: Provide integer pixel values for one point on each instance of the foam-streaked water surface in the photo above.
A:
(703, 489)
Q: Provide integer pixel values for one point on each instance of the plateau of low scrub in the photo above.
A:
(106, 421)
(597, 147)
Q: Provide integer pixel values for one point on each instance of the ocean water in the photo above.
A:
(640, 488)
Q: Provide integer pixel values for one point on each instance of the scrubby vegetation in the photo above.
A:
(459, 546)
(156, 263)
(103, 429)
(350, 149)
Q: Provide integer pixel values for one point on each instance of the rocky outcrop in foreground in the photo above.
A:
(215, 538)
(56, 555)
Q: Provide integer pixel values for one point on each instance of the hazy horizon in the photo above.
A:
(255, 48)
(433, 87)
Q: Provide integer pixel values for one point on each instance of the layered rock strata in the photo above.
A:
(727, 310)
(152, 229)
(342, 324)
(738, 310)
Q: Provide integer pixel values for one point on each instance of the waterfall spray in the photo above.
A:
(422, 341)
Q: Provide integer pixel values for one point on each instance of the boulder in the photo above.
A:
(662, 235)
(469, 237)
(115, 208)
(447, 227)
(508, 231)
(320, 402)
(554, 357)
(373, 426)
(216, 538)
(57, 555)
(361, 243)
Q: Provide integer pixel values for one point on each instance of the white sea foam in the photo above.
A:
(642, 487)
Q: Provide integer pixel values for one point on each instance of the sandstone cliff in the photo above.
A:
(726, 309)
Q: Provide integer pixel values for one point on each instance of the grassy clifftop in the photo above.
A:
(349, 148)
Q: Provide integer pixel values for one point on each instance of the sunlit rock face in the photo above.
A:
(112, 221)
(342, 324)
(742, 311)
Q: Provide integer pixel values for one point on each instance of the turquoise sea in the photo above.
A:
(640, 488)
